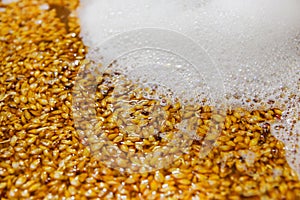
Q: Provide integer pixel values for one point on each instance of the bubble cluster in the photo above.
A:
(254, 44)
(154, 68)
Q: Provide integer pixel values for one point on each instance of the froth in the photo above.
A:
(154, 68)
(254, 44)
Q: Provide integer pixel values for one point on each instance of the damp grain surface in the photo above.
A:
(42, 155)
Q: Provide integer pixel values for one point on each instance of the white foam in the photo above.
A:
(44, 6)
(9, 1)
(155, 68)
(254, 43)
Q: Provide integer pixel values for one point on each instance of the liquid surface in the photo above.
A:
(253, 44)
(44, 156)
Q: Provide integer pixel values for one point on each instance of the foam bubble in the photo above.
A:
(155, 68)
(9, 1)
(254, 43)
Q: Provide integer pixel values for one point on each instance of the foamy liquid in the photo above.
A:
(254, 44)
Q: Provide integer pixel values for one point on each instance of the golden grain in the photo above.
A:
(43, 155)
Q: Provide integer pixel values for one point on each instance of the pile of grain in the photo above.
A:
(42, 155)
